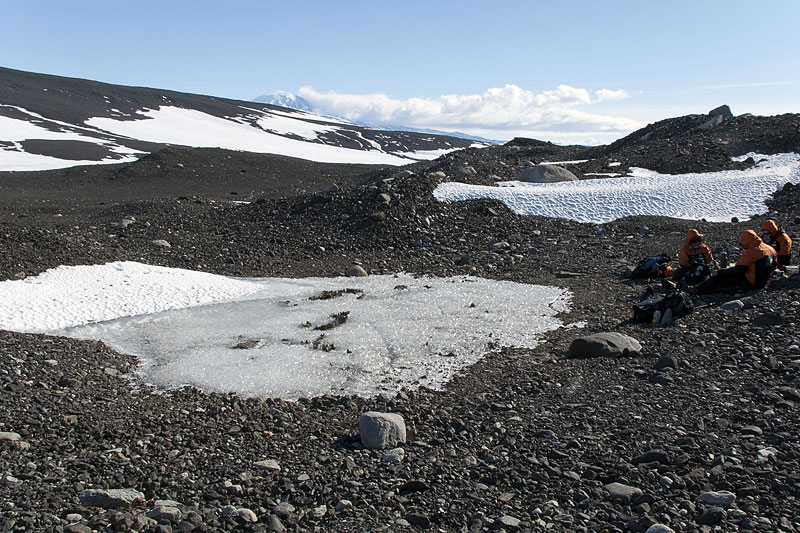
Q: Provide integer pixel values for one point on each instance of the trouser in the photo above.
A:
(724, 279)
(693, 274)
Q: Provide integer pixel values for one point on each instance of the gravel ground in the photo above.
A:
(697, 433)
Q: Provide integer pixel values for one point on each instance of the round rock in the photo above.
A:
(606, 344)
(546, 174)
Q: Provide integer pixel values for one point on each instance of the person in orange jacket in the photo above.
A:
(778, 239)
(695, 260)
(751, 271)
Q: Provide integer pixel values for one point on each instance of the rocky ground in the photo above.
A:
(696, 433)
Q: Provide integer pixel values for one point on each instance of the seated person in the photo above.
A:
(695, 260)
(751, 271)
(778, 239)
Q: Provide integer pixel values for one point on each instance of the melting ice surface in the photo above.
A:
(715, 196)
(185, 326)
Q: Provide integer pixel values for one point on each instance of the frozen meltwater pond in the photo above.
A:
(279, 337)
(714, 196)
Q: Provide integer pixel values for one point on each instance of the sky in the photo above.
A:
(584, 71)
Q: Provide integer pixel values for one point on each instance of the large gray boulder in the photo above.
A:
(546, 174)
(607, 344)
(382, 430)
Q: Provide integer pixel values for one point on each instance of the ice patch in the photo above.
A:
(283, 337)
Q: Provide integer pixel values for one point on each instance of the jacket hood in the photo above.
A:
(749, 239)
(770, 226)
(692, 234)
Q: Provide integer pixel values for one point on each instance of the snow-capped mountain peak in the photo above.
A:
(285, 99)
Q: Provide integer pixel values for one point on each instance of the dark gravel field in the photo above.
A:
(696, 431)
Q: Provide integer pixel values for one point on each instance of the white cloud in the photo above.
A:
(499, 112)
(607, 94)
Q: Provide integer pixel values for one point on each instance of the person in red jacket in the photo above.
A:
(778, 239)
(751, 271)
(695, 260)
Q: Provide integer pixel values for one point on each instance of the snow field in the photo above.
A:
(714, 196)
(276, 337)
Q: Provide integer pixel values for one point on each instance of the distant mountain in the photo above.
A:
(49, 122)
(285, 99)
(292, 101)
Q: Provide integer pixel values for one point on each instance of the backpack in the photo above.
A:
(662, 309)
(656, 266)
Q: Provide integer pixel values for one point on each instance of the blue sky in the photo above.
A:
(563, 71)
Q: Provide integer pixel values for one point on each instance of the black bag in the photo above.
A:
(656, 266)
(663, 309)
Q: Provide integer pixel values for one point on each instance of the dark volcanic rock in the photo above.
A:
(523, 438)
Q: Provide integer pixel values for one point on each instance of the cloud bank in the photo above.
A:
(557, 115)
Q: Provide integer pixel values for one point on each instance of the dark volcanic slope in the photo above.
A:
(64, 104)
(176, 171)
(525, 440)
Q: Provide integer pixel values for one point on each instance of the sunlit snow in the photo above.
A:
(260, 131)
(288, 125)
(272, 337)
(15, 158)
(715, 196)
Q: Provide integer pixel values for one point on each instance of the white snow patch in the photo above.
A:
(607, 174)
(573, 162)
(290, 125)
(14, 161)
(425, 155)
(188, 127)
(14, 158)
(401, 331)
(715, 196)
(75, 295)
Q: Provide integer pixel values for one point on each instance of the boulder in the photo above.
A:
(622, 493)
(651, 456)
(467, 171)
(659, 528)
(721, 111)
(606, 344)
(269, 465)
(395, 456)
(356, 271)
(111, 498)
(711, 123)
(382, 430)
(402, 174)
(242, 515)
(165, 512)
(722, 498)
(546, 174)
(732, 305)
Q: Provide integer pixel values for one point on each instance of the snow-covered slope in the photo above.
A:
(49, 122)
